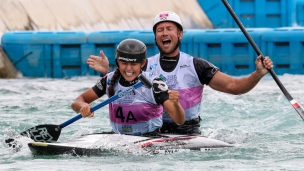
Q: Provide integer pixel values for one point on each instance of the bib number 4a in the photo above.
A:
(119, 114)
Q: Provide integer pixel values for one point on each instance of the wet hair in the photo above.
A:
(116, 75)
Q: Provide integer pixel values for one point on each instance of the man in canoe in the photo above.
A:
(186, 74)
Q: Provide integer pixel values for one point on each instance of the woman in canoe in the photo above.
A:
(139, 111)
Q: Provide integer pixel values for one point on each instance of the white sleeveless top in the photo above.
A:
(183, 79)
(136, 112)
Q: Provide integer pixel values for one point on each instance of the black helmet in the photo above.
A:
(131, 50)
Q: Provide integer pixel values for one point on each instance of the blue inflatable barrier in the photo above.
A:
(285, 46)
(64, 54)
(228, 49)
(300, 13)
(187, 40)
(252, 13)
(147, 37)
(46, 54)
(106, 41)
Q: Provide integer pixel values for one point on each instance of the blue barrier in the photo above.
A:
(300, 13)
(146, 37)
(187, 40)
(228, 49)
(285, 46)
(263, 13)
(64, 54)
(106, 41)
(217, 13)
(252, 13)
(46, 54)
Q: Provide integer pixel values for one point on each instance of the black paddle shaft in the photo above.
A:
(255, 47)
(145, 81)
(295, 104)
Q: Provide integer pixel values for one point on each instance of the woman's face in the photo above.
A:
(130, 70)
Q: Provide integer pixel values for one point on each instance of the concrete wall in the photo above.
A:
(7, 69)
(90, 15)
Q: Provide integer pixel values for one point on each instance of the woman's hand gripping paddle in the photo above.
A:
(51, 133)
(293, 102)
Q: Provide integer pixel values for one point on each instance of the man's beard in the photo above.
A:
(164, 53)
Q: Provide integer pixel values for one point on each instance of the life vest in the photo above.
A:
(136, 112)
(183, 79)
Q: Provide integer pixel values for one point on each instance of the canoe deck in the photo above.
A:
(102, 144)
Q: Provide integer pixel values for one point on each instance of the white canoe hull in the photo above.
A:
(100, 144)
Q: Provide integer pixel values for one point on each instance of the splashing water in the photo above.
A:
(266, 129)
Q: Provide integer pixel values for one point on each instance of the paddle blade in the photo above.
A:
(298, 108)
(40, 133)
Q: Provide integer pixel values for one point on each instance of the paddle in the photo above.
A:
(51, 133)
(293, 102)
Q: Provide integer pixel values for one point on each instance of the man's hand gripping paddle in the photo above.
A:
(293, 102)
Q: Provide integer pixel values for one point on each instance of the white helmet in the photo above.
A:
(167, 16)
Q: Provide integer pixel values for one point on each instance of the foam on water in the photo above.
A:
(267, 131)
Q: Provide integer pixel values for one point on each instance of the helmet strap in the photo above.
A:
(116, 63)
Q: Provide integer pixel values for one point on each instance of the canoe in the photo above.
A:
(108, 143)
